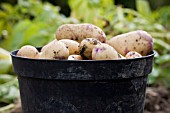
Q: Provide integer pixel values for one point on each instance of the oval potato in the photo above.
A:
(28, 51)
(55, 50)
(139, 41)
(78, 32)
(104, 52)
(75, 57)
(42, 49)
(86, 47)
(133, 54)
(72, 45)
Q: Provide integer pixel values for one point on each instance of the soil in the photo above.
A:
(157, 101)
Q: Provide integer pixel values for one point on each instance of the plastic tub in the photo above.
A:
(87, 86)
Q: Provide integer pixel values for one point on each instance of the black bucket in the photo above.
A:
(88, 86)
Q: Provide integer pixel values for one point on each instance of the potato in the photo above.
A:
(28, 51)
(104, 52)
(75, 57)
(42, 49)
(139, 41)
(86, 47)
(55, 50)
(72, 45)
(78, 32)
(133, 54)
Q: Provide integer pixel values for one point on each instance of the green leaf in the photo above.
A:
(18, 34)
(153, 76)
(162, 44)
(9, 91)
(4, 54)
(10, 95)
(5, 66)
(163, 59)
(164, 78)
(7, 8)
(143, 7)
(164, 16)
(34, 35)
(5, 78)
(83, 10)
(2, 14)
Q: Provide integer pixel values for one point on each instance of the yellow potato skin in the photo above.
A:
(75, 57)
(28, 51)
(104, 52)
(139, 41)
(78, 32)
(44, 47)
(133, 54)
(55, 50)
(72, 45)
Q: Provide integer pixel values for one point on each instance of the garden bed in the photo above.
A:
(157, 100)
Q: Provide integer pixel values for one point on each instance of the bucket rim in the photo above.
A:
(82, 69)
(13, 54)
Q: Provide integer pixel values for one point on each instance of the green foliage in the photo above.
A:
(31, 24)
(143, 8)
(163, 16)
(8, 83)
(160, 73)
(92, 11)
(5, 55)
(5, 66)
(9, 91)
(5, 78)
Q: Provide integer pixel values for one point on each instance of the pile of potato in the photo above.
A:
(88, 42)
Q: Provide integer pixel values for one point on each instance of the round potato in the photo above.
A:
(55, 50)
(28, 51)
(42, 49)
(75, 57)
(78, 32)
(72, 45)
(133, 54)
(104, 52)
(86, 47)
(139, 41)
